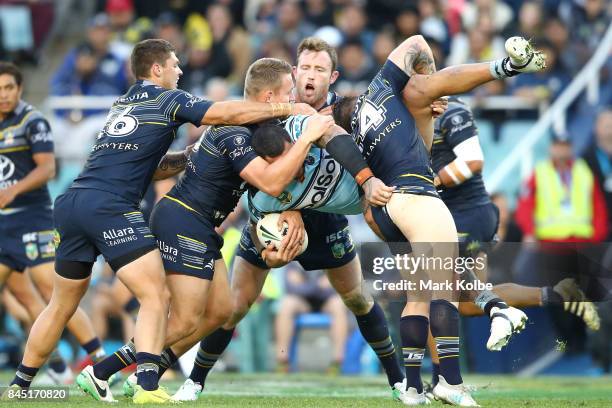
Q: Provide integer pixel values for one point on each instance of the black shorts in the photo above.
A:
(330, 244)
(90, 222)
(26, 238)
(187, 240)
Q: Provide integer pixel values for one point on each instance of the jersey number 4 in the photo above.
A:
(370, 118)
(122, 124)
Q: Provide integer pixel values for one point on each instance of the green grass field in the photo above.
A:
(316, 390)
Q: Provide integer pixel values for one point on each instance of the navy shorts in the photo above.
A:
(26, 238)
(330, 244)
(90, 222)
(476, 227)
(187, 240)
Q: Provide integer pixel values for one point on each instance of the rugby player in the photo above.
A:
(184, 220)
(27, 163)
(387, 134)
(457, 161)
(99, 212)
(330, 248)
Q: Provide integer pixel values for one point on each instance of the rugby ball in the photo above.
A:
(268, 232)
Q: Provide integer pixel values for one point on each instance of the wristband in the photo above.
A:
(363, 176)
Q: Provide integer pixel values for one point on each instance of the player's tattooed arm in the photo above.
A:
(419, 59)
(414, 56)
(172, 164)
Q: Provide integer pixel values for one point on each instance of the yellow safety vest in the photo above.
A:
(560, 214)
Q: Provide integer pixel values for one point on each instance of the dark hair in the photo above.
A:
(316, 44)
(149, 52)
(343, 112)
(11, 69)
(269, 140)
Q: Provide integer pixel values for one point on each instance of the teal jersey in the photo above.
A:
(327, 186)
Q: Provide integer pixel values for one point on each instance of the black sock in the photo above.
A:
(124, 357)
(208, 353)
(445, 330)
(56, 362)
(414, 331)
(374, 329)
(168, 358)
(147, 369)
(435, 372)
(550, 297)
(24, 376)
(94, 349)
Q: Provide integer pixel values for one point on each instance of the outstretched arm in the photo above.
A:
(245, 112)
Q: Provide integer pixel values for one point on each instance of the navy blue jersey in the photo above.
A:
(212, 184)
(331, 99)
(386, 132)
(138, 131)
(23, 133)
(455, 126)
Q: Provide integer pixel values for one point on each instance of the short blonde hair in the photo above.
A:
(265, 73)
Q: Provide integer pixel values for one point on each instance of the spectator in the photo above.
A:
(356, 69)
(319, 13)
(383, 45)
(307, 292)
(168, 27)
(561, 206)
(230, 40)
(562, 201)
(599, 157)
(499, 12)
(557, 34)
(90, 69)
(121, 16)
(433, 24)
(352, 23)
(407, 23)
(545, 85)
(588, 21)
(479, 44)
(291, 25)
(530, 21)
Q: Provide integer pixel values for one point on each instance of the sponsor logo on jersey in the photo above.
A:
(457, 120)
(285, 197)
(115, 146)
(56, 238)
(168, 252)
(338, 250)
(135, 97)
(239, 140)
(31, 250)
(460, 127)
(240, 151)
(119, 236)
